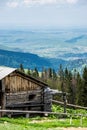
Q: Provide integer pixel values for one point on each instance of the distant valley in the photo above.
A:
(44, 48)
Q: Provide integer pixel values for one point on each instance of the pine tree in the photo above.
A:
(54, 75)
(35, 73)
(44, 74)
(21, 68)
(84, 94)
(61, 73)
(63, 87)
(79, 90)
(49, 72)
(28, 72)
(69, 88)
(66, 73)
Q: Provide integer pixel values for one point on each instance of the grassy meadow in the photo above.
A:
(51, 122)
(46, 123)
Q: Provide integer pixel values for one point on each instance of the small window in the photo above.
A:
(32, 97)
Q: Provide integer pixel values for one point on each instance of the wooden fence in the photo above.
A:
(69, 105)
(70, 116)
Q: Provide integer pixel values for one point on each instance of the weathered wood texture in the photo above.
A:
(24, 93)
(23, 97)
(17, 83)
(47, 100)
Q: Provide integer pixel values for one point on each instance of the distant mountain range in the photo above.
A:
(75, 39)
(29, 60)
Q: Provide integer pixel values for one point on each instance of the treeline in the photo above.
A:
(73, 83)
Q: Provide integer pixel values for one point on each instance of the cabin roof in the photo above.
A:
(4, 71)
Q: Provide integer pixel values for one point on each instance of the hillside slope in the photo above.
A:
(14, 59)
(29, 60)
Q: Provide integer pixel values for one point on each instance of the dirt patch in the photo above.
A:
(40, 121)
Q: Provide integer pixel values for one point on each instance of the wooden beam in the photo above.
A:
(3, 98)
(41, 112)
(70, 105)
(24, 105)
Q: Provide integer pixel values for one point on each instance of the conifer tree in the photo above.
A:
(28, 72)
(54, 75)
(49, 73)
(35, 73)
(69, 88)
(66, 73)
(21, 68)
(79, 90)
(84, 92)
(44, 74)
(61, 73)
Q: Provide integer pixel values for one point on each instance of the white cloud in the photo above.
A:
(13, 4)
(29, 2)
(72, 1)
(16, 3)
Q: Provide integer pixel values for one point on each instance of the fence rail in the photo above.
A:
(41, 112)
(50, 113)
(70, 105)
(70, 116)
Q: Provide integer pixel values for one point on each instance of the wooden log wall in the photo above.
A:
(16, 83)
(20, 90)
(23, 97)
(24, 93)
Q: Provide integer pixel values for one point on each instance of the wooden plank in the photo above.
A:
(36, 81)
(24, 105)
(42, 112)
(3, 98)
(71, 105)
(3, 102)
(3, 85)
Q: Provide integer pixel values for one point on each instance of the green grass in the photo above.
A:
(45, 123)
(39, 123)
(59, 109)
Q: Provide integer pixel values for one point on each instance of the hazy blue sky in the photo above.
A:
(52, 13)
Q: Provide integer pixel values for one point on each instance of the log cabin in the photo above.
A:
(20, 91)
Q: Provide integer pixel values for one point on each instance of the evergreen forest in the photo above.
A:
(73, 83)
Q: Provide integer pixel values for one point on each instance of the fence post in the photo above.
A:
(70, 119)
(81, 120)
(64, 100)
